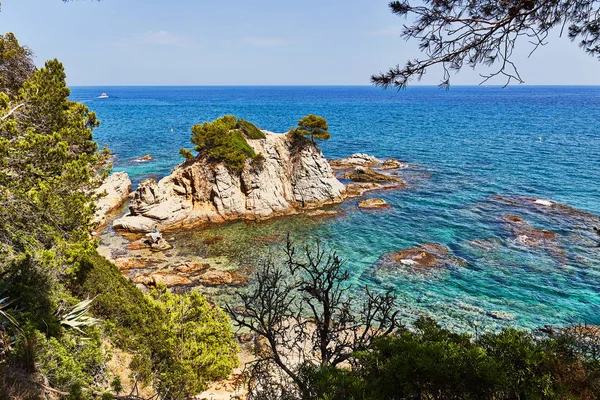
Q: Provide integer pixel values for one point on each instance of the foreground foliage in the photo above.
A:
(319, 342)
(51, 277)
(429, 362)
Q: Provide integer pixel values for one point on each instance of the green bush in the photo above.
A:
(223, 140)
(430, 362)
(185, 153)
(249, 129)
(180, 341)
(198, 348)
(71, 362)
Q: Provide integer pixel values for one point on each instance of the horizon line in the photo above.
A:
(341, 85)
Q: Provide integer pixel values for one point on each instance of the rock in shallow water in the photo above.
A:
(162, 278)
(426, 256)
(526, 234)
(365, 174)
(392, 163)
(373, 203)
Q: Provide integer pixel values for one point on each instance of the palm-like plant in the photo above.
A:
(77, 318)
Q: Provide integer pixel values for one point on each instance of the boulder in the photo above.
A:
(365, 174)
(358, 159)
(134, 223)
(373, 203)
(113, 191)
(192, 268)
(124, 264)
(215, 277)
(288, 180)
(357, 189)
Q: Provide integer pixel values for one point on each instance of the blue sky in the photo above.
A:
(242, 42)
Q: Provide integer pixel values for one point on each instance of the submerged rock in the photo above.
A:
(373, 203)
(525, 233)
(212, 240)
(145, 158)
(114, 192)
(288, 180)
(501, 315)
(358, 159)
(392, 163)
(422, 257)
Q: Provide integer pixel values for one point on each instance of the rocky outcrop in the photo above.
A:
(114, 191)
(358, 159)
(366, 174)
(288, 180)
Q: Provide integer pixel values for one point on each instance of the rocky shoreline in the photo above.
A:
(289, 182)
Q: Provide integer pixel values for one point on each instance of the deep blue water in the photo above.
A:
(471, 144)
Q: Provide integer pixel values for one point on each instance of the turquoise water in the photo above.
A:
(477, 150)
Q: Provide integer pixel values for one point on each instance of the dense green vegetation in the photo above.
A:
(224, 140)
(51, 342)
(430, 362)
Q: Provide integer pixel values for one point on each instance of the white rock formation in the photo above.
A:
(357, 159)
(116, 187)
(286, 181)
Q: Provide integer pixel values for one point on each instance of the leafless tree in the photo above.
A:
(305, 316)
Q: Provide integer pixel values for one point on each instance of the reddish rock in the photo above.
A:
(126, 263)
(192, 268)
(162, 278)
(426, 256)
(525, 233)
(214, 277)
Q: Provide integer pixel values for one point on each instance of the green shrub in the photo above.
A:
(185, 153)
(69, 362)
(222, 140)
(199, 347)
(249, 129)
(180, 341)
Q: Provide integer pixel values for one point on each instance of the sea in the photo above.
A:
(480, 158)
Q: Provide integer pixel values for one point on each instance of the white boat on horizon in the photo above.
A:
(103, 96)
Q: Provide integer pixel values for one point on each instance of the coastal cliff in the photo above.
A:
(288, 178)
